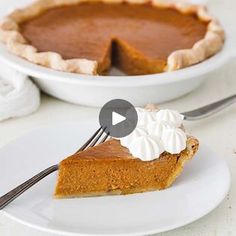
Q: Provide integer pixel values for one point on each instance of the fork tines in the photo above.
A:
(97, 138)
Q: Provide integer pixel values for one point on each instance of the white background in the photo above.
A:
(219, 131)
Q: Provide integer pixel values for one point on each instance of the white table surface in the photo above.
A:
(218, 131)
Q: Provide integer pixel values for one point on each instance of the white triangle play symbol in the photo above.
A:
(117, 118)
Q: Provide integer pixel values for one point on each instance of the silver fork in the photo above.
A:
(210, 109)
(97, 138)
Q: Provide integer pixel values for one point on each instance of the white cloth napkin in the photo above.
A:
(18, 94)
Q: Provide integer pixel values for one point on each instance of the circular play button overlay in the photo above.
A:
(118, 118)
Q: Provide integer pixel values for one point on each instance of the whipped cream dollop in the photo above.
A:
(174, 140)
(157, 128)
(139, 131)
(170, 116)
(145, 117)
(146, 147)
(156, 132)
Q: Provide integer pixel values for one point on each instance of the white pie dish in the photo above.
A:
(92, 90)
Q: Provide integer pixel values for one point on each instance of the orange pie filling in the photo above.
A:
(138, 39)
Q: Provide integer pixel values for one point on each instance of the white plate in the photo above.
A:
(202, 186)
(97, 90)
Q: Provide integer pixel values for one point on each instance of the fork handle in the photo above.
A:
(14, 193)
(210, 109)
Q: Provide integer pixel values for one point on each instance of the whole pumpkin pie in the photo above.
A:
(87, 37)
(110, 168)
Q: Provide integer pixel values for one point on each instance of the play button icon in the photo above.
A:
(118, 118)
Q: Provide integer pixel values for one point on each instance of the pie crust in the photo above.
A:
(17, 44)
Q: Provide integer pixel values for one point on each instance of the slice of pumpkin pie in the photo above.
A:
(150, 158)
(110, 168)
